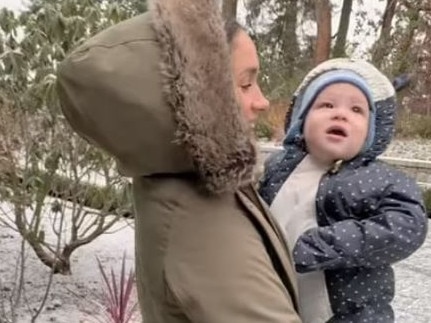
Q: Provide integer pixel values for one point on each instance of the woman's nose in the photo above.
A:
(260, 102)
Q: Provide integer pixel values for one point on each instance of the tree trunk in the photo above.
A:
(323, 41)
(58, 265)
(289, 42)
(340, 45)
(90, 195)
(402, 59)
(229, 9)
(381, 47)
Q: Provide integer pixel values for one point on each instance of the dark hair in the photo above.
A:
(232, 27)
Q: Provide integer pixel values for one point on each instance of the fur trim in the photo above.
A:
(380, 86)
(198, 86)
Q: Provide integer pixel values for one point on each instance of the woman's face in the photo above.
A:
(245, 65)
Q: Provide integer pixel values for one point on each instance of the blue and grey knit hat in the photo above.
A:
(361, 74)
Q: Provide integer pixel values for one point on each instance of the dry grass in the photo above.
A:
(427, 200)
(409, 124)
(413, 125)
(271, 123)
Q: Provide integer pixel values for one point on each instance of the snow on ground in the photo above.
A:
(75, 298)
(412, 301)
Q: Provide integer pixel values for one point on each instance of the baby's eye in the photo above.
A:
(326, 105)
(357, 109)
(246, 86)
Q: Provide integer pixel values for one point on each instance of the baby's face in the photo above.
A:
(336, 126)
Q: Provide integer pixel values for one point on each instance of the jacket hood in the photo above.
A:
(156, 92)
(379, 91)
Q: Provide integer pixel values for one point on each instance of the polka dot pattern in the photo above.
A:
(369, 217)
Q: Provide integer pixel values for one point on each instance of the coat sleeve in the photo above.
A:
(223, 273)
(395, 231)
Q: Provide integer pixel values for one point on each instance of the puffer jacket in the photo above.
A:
(369, 216)
(156, 92)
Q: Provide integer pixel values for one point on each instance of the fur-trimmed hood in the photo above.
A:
(156, 92)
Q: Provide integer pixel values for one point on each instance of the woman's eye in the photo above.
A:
(246, 86)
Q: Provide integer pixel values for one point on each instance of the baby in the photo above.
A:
(346, 216)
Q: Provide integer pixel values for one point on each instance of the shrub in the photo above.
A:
(427, 200)
(271, 123)
(119, 304)
(413, 125)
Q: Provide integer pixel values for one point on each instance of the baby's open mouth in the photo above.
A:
(337, 131)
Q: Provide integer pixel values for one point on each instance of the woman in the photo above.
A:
(156, 92)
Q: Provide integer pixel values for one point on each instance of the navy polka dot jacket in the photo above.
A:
(369, 217)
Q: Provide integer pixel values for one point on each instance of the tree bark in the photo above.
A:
(381, 47)
(323, 41)
(229, 9)
(402, 59)
(289, 40)
(340, 44)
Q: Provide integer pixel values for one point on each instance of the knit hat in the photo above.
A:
(371, 82)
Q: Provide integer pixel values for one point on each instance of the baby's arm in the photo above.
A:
(397, 228)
